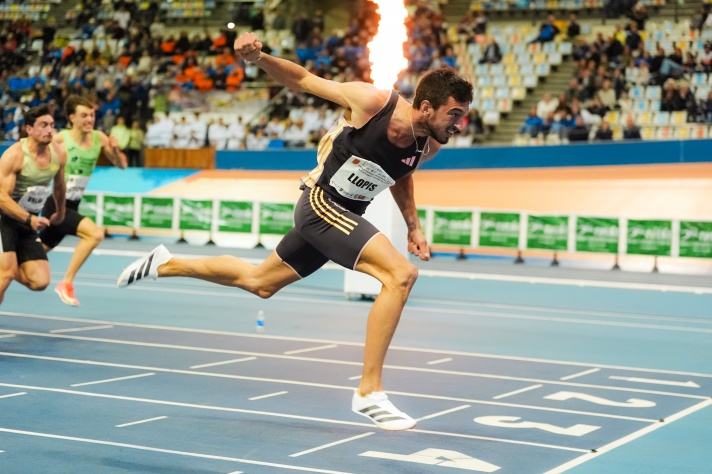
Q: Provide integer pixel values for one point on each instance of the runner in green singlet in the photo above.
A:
(84, 146)
(26, 170)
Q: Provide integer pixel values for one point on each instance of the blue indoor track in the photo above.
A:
(507, 368)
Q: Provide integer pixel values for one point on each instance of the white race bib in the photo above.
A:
(360, 180)
(34, 198)
(76, 185)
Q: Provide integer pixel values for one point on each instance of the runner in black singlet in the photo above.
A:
(377, 144)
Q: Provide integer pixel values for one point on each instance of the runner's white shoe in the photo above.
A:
(144, 267)
(378, 409)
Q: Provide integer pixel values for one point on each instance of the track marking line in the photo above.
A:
(355, 377)
(310, 349)
(224, 362)
(342, 343)
(167, 451)
(514, 392)
(275, 394)
(580, 374)
(141, 421)
(444, 412)
(112, 380)
(13, 395)
(629, 438)
(335, 443)
(3, 336)
(88, 328)
(440, 361)
(674, 383)
(280, 415)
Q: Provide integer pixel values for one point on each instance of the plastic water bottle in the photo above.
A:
(260, 321)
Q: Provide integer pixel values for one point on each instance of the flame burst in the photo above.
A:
(385, 51)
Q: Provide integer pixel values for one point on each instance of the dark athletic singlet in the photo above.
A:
(355, 164)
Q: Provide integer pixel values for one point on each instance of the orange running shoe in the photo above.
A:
(66, 293)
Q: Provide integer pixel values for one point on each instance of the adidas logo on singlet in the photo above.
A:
(408, 161)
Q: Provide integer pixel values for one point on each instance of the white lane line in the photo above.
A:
(168, 451)
(440, 361)
(224, 362)
(87, 328)
(580, 374)
(629, 438)
(310, 349)
(474, 276)
(355, 377)
(324, 446)
(341, 343)
(313, 384)
(674, 383)
(444, 412)
(141, 421)
(275, 394)
(514, 392)
(295, 417)
(6, 335)
(111, 380)
(13, 395)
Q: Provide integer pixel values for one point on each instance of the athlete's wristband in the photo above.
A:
(28, 221)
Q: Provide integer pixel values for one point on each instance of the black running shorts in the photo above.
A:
(323, 230)
(54, 234)
(18, 237)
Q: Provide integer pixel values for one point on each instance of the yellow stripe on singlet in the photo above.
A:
(328, 214)
(323, 151)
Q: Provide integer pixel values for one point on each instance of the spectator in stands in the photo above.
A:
(134, 149)
(546, 106)
(301, 27)
(639, 15)
(596, 107)
(697, 20)
(688, 102)
(492, 53)
(573, 29)
(706, 58)
(121, 132)
(631, 130)
(475, 126)
(217, 134)
(198, 133)
(122, 17)
(533, 124)
(257, 140)
(604, 132)
(579, 133)
(547, 31)
(690, 64)
(296, 135)
(633, 39)
(480, 27)
(160, 132)
(607, 95)
(466, 24)
(671, 97)
(236, 133)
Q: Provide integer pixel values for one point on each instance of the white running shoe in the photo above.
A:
(144, 267)
(378, 409)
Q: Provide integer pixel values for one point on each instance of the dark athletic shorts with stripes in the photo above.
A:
(323, 230)
(18, 237)
(54, 234)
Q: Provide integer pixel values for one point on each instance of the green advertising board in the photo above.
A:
(696, 239)
(276, 218)
(548, 232)
(156, 213)
(119, 211)
(499, 229)
(452, 227)
(89, 206)
(595, 234)
(423, 218)
(235, 216)
(195, 214)
(649, 237)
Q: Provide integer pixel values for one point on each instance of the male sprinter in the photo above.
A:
(377, 144)
(26, 170)
(84, 145)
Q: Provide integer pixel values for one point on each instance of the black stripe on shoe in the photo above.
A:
(148, 265)
(131, 277)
